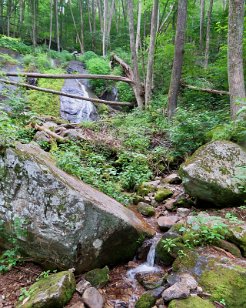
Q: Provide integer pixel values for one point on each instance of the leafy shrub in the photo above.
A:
(88, 55)
(98, 66)
(40, 62)
(7, 59)
(125, 92)
(14, 44)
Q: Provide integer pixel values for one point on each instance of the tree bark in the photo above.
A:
(208, 34)
(51, 23)
(138, 25)
(57, 26)
(178, 58)
(137, 88)
(202, 14)
(105, 14)
(235, 56)
(149, 76)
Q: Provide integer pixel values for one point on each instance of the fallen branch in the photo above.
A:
(212, 91)
(94, 100)
(49, 132)
(70, 76)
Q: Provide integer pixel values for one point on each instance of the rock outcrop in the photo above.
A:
(68, 223)
(214, 174)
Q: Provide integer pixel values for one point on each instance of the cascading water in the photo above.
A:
(147, 267)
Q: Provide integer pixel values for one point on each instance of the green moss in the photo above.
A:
(167, 254)
(186, 263)
(53, 291)
(226, 283)
(163, 194)
(233, 249)
(190, 302)
(144, 189)
(98, 277)
(145, 301)
(146, 210)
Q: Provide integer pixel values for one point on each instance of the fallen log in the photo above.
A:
(94, 100)
(49, 132)
(212, 91)
(69, 76)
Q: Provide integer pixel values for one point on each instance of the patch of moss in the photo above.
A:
(98, 277)
(226, 283)
(146, 210)
(190, 302)
(163, 194)
(144, 189)
(145, 301)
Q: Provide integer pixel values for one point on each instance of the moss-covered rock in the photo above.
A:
(222, 277)
(98, 277)
(144, 189)
(233, 249)
(190, 302)
(163, 194)
(145, 301)
(146, 209)
(53, 291)
(212, 174)
(237, 235)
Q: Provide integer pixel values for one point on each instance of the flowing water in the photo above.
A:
(147, 267)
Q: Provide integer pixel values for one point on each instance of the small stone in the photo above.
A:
(173, 178)
(146, 209)
(92, 298)
(82, 285)
(163, 194)
(176, 291)
(98, 277)
(170, 204)
(150, 280)
(183, 212)
(166, 222)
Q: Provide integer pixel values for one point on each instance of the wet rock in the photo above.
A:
(82, 285)
(150, 280)
(144, 250)
(220, 276)
(145, 301)
(163, 194)
(183, 212)
(212, 174)
(166, 222)
(92, 298)
(146, 209)
(120, 304)
(176, 291)
(173, 178)
(156, 293)
(85, 228)
(191, 302)
(53, 291)
(98, 277)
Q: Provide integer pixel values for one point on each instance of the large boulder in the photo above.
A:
(214, 174)
(68, 223)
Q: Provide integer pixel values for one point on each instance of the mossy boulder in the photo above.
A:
(213, 174)
(190, 302)
(222, 277)
(145, 301)
(98, 277)
(163, 194)
(237, 235)
(146, 209)
(145, 188)
(53, 291)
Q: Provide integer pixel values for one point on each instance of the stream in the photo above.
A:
(76, 110)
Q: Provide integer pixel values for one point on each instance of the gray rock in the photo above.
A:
(213, 174)
(183, 212)
(92, 298)
(150, 280)
(78, 305)
(82, 285)
(145, 209)
(156, 293)
(42, 136)
(69, 223)
(176, 291)
(53, 291)
(166, 222)
(173, 178)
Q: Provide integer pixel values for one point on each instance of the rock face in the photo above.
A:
(53, 291)
(213, 174)
(69, 224)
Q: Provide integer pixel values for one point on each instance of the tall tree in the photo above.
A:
(138, 25)
(235, 55)
(51, 22)
(105, 15)
(202, 15)
(57, 26)
(137, 87)
(208, 33)
(149, 75)
(178, 58)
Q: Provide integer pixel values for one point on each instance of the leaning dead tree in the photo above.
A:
(94, 100)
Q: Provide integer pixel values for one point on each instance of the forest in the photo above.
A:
(122, 153)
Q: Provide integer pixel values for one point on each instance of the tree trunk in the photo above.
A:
(82, 48)
(178, 58)
(57, 26)
(208, 34)
(105, 15)
(235, 56)
(202, 14)
(149, 76)
(137, 88)
(51, 23)
(139, 25)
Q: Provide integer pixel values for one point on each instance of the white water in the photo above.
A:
(147, 267)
